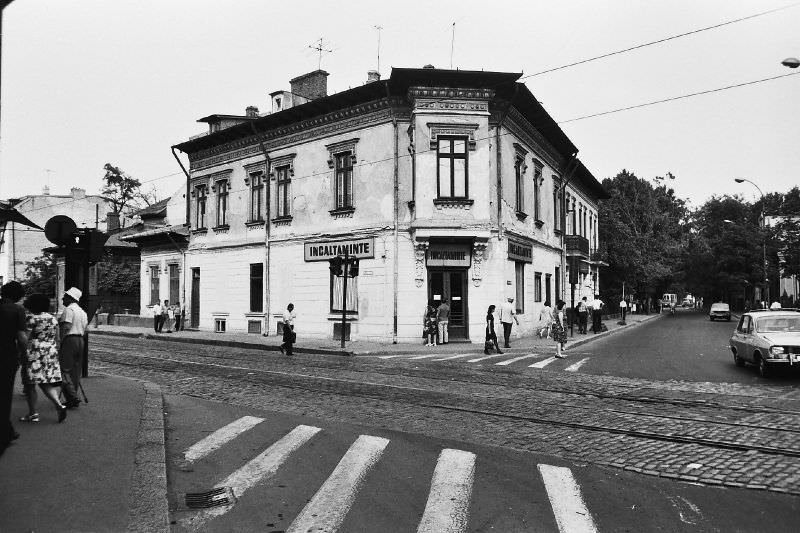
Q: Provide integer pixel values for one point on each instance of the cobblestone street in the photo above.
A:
(715, 434)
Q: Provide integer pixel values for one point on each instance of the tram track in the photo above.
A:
(557, 414)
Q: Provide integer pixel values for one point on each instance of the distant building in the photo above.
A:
(23, 244)
(444, 183)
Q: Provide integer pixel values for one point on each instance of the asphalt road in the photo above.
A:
(687, 347)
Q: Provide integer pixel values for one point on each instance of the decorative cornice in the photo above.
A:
(519, 126)
(449, 93)
(448, 128)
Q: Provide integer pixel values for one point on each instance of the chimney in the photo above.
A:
(77, 193)
(112, 222)
(251, 111)
(373, 75)
(46, 191)
(311, 86)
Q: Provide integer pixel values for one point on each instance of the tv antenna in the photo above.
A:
(379, 28)
(319, 47)
(452, 44)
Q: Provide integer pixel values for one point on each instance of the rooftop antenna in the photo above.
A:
(379, 28)
(319, 47)
(48, 179)
(452, 43)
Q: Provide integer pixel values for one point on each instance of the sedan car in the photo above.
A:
(768, 339)
(720, 310)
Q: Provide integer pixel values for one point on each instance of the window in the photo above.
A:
(256, 197)
(537, 287)
(520, 189)
(557, 211)
(256, 287)
(537, 183)
(344, 180)
(174, 283)
(200, 206)
(336, 294)
(452, 171)
(155, 294)
(519, 271)
(220, 325)
(547, 287)
(222, 203)
(284, 197)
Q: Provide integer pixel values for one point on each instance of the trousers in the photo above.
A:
(443, 331)
(71, 359)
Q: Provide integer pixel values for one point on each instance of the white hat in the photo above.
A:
(74, 293)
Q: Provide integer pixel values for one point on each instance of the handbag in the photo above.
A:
(488, 345)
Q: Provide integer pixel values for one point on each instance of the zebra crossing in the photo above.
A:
(450, 493)
(568, 363)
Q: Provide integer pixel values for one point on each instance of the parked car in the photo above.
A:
(768, 339)
(720, 310)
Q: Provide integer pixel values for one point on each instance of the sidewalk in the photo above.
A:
(102, 469)
(359, 347)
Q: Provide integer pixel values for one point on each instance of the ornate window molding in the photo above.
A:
(254, 168)
(342, 146)
(286, 160)
(462, 130)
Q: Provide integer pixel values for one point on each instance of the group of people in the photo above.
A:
(169, 315)
(49, 351)
(508, 316)
(436, 323)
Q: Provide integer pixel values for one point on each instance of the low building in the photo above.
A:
(443, 183)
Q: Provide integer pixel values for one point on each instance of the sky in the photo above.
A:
(86, 83)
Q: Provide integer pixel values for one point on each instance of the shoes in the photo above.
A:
(486, 352)
(498, 351)
(73, 404)
(62, 413)
(507, 346)
(33, 417)
(559, 356)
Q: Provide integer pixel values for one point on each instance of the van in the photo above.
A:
(669, 300)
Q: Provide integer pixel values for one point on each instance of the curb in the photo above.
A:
(215, 342)
(148, 508)
(581, 342)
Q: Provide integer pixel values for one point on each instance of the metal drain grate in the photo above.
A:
(211, 498)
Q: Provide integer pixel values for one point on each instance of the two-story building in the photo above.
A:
(444, 183)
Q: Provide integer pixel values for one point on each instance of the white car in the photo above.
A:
(768, 339)
(720, 310)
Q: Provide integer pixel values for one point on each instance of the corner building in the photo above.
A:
(443, 183)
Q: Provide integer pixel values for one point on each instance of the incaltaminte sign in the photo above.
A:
(520, 252)
(449, 255)
(325, 251)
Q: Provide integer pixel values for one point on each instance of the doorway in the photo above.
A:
(195, 310)
(451, 284)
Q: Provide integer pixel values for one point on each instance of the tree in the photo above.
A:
(118, 277)
(124, 192)
(642, 228)
(40, 275)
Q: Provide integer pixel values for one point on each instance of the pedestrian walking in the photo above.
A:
(41, 366)
(289, 336)
(545, 320)
(72, 327)
(583, 315)
(156, 316)
(170, 318)
(491, 337)
(597, 317)
(443, 321)
(429, 326)
(559, 328)
(13, 347)
(623, 308)
(508, 315)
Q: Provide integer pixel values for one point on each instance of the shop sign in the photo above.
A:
(520, 252)
(449, 255)
(325, 251)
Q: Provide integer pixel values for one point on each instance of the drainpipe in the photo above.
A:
(396, 214)
(500, 163)
(569, 172)
(268, 227)
(183, 252)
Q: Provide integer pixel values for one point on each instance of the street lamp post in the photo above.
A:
(765, 296)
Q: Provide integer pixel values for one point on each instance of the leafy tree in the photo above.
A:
(40, 275)
(642, 228)
(786, 233)
(118, 277)
(124, 192)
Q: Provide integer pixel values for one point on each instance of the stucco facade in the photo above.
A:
(444, 183)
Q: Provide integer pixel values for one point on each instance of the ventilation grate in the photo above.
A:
(211, 498)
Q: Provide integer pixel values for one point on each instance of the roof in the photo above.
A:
(157, 209)
(176, 232)
(585, 177)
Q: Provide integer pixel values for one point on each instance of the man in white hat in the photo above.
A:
(72, 326)
(508, 315)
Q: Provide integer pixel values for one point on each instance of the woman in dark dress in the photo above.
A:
(430, 326)
(559, 331)
(491, 336)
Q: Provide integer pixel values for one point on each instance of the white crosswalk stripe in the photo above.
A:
(576, 366)
(543, 363)
(454, 357)
(220, 437)
(447, 510)
(328, 507)
(485, 357)
(263, 466)
(515, 359)
(426, 356)
(566, 499)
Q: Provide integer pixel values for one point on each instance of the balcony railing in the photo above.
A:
(576, 245)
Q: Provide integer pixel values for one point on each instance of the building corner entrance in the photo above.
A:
(448, 265)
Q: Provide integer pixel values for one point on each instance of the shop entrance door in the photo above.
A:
(451, 284)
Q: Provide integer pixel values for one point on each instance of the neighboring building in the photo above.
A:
(23, 244)
(785, 289)
(162, 238)
(444, 183)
